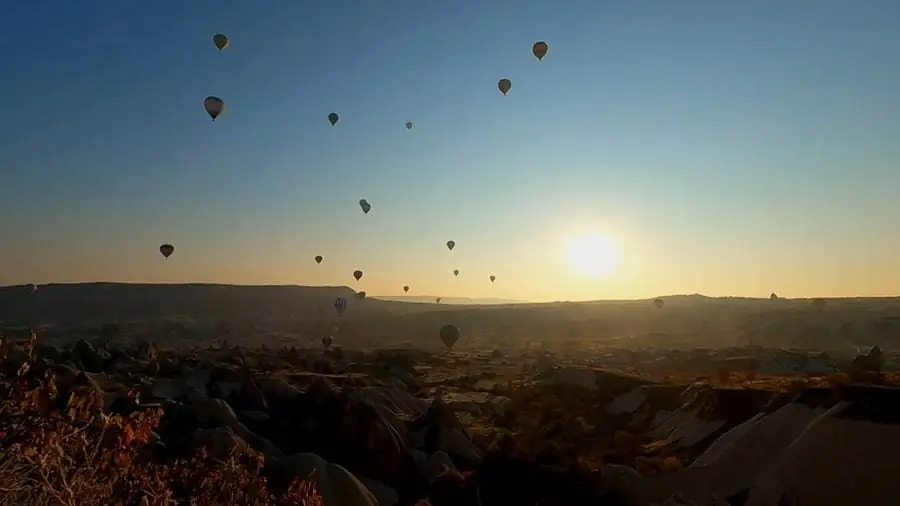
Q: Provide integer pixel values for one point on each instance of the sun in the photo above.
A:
(593, 255)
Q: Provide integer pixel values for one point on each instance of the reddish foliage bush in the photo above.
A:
(57, 447)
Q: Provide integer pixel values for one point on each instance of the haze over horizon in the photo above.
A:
(720, 148)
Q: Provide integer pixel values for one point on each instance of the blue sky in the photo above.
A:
(722, 147)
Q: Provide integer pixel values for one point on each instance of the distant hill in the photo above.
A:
(463, 301)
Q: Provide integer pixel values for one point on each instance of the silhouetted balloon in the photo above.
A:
(493, 278)
(773, 296)
(357, 274)
(504, 85)
(327, 341)
(540, 49)
(214, 106)
(405, 288)
(220, 41)
(364, 205)
(333, 118)
(360, 295)
(340, 304)
(438, 300)
(659, 303)
(167, 250)
(409, 125)
(319, 259)
(451, 245)
(449, 335)
(456, 272)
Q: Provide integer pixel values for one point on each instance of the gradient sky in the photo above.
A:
(725, 147)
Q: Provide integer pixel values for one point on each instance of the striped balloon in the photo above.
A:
(340, 304)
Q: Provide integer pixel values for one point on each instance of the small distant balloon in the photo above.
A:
(409, 125)
(327, 341)
(405, 288)
(449, 335)
(451, 245)
(319, 259)
(220, 41)
(365, 206)
(333, 118)
(773, 296)
(438, 300)
(456, 272)
(358, 274)
(659, 303)
(493, 278)
(819, 304)
(167, 250)
(504, 85)
(340, 304)
(540, 49)
(360, 295)
(214, 106)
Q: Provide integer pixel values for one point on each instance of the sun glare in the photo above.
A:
(593, 255)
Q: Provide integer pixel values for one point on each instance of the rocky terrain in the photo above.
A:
(104, 416)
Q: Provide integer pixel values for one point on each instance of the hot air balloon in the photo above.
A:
(449, 335)
(438, 300)
(214, 106)
(365, 206)
(456, 272)
(504, 85)
(405, 288)
(167, 250)
(333, 118)
(319, 259)
(360, 295)
(340, 304)
(493, 278)
(819, 304)
(32, 288)
(451, 245)
(540, 49)
(659, 303)
(327, 341)
(773, 296)
(220, 41)
(357, 274)
(409, 125)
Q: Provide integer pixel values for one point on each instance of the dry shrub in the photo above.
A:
(58, 448)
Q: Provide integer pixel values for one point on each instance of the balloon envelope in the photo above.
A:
(220, 41)
(438, 300)
(333, 118)
(167, 250)
(659, 303)
(364, 205)
(409, 125)
(540, 49)
(319, 259)
(357, 274)
(406, 289)
(449, 335)
(456, 272)
(493, 278)
(504, 85)
(340, 304)
(451, 245)
(214, 106)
